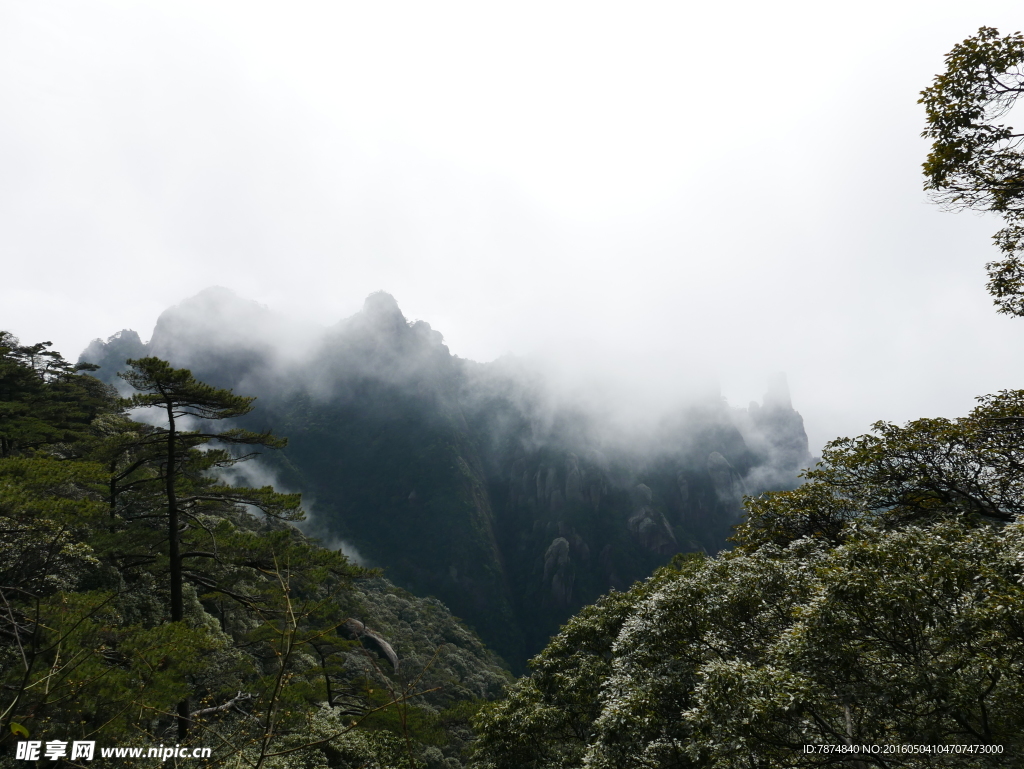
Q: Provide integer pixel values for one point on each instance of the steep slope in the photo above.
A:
(581, 510)
(474, 482)
(380, 442)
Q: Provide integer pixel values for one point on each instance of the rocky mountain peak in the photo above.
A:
(382, 305)
(777, 394)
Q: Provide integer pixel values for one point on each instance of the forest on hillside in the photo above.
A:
(871, 616)
(147, 602)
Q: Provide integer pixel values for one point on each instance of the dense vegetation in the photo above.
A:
(146, 601)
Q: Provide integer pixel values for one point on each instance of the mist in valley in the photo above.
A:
(515, 490)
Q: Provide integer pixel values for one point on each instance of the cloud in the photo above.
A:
(548, 182)
(256, 474)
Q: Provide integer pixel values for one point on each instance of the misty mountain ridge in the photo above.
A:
(483, 484)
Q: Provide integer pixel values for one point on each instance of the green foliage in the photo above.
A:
(183, 471)
(257, 659)
(548, 717)
(969, 467)
(446, 670)
(908, 636)
(42, 399)
(45, 515)
(976, 162)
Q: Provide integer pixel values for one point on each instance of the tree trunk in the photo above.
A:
(174, 550)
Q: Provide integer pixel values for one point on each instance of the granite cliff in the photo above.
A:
(470, 481)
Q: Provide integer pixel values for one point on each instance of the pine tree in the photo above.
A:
(184, 470)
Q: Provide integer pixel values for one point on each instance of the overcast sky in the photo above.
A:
(648, 193)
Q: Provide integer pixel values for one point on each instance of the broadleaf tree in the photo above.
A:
(976, 162)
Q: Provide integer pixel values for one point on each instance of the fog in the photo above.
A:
(647, 199)
(255, 474)
(378, 362)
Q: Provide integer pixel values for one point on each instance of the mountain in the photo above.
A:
(473, 482)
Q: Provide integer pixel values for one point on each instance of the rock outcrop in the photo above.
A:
(357, 631)
(559, 573)
(649, 526)
(726, 481)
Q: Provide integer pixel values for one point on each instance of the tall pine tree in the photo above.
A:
(185, 471)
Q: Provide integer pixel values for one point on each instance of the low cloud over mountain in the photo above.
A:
(510, 498)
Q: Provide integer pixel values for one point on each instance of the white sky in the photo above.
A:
(646, 193)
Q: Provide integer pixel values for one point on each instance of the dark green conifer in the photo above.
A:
(181, 396)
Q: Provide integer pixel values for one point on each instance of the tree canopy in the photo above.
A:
(977, 162)
(42, 400)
